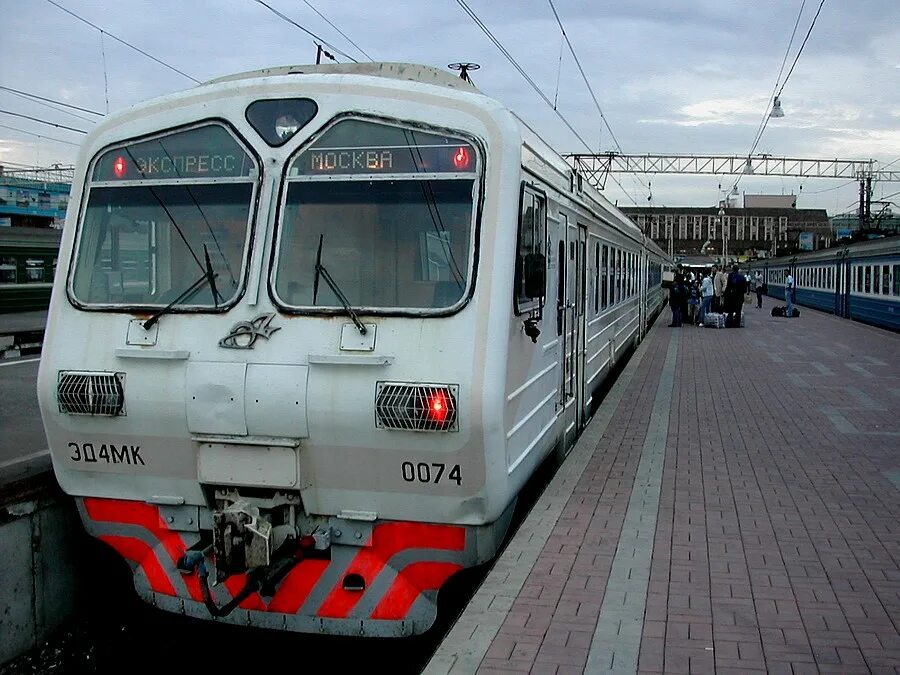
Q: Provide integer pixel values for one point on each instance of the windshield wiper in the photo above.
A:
(212, 279)
(208, 277)
(320, 270)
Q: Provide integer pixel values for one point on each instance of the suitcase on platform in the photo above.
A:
(714, 320)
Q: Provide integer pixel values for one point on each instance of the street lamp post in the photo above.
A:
(721, 220)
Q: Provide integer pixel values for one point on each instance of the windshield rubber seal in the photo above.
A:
(362, 311)
(145, 309)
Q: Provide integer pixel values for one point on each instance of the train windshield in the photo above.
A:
(156, 211)
(392, 209)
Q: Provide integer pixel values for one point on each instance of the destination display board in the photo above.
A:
(203, 152)
(360, 147)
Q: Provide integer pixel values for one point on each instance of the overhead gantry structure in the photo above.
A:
(597, 167)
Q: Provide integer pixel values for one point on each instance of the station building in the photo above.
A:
(765, 226)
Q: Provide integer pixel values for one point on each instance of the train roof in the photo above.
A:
(429, 75)
(874, 246)
(397, 71)
(542, 150)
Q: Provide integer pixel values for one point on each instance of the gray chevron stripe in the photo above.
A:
(385, 579)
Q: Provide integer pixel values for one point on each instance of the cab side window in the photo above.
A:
(532, 242)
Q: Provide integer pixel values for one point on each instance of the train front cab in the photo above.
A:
(207, 398)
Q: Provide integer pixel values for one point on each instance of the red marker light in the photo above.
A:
(461, 158)
(119, 167)
(437, 407)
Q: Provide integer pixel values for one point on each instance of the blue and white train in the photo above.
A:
(858, 281)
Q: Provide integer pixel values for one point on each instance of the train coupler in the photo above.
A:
(242, 539)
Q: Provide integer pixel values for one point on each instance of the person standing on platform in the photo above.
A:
(706, 296)
(734, 296)
(758, 282)
(693, 301)
(677, 300)
(720, 280)
(789, 295)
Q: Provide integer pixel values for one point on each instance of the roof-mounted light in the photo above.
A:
(279, 120)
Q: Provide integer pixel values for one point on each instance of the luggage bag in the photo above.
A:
(714, 320)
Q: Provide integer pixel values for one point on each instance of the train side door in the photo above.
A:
(839, 287)
(845, 269)
(642, 293)
(572, 254)
(565, 328)
(580, 329)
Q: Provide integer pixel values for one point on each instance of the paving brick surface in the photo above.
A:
(777, 532)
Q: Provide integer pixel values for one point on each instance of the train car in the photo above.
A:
(858, 281)
(313, 330)
(28, 258)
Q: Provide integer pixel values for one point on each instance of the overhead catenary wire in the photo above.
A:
(562, 45)
(289, 20)
(105, 76)
(590, 88)
(51, 100)
(777, 91)
(53, 107)
(584, 76)
(124, 42)
(345, 36)
(834, 187)
(771, 98)
(468, 10)
(31, 133)
(519, 68)
(38, 119)
(802, 45)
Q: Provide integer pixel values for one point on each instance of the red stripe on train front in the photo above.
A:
(142, 554)
(387, 540)
(146, 516)
(409, 584)
(235, 584)
(296, 587)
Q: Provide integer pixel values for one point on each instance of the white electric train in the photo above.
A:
(313, 329)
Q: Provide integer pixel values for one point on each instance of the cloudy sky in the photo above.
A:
(682, 76)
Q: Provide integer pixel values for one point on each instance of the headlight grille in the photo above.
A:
(416, 407)
(81, 393)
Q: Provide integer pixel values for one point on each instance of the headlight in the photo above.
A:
(82, 393)
(416, 407)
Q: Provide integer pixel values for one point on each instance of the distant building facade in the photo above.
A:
(34, 198)
(736, 234)
(33, 205)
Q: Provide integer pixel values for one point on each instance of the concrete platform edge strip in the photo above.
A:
(616, 643)
(467, 642)
(26, 466)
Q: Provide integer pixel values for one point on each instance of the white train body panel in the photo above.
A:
(296, 413)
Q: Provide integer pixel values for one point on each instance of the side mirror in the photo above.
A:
(535, 274)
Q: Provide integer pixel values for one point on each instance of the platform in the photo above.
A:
(20, 322)
(22, 333)
(734, 506)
